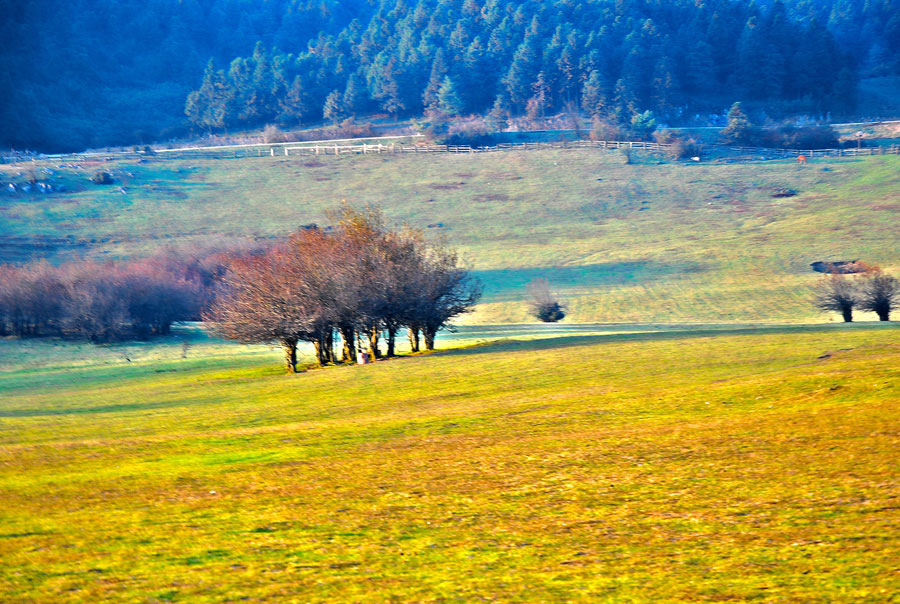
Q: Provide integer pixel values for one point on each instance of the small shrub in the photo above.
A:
(102, 178)
(643, 125)
(473, 133)
(680, 148)
(787, 136)
(544, 305)
(271, 134)
(605, 130)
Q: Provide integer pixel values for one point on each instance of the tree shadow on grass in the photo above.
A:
(509, 283)
(651, 333)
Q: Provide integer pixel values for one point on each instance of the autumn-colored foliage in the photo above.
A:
(359, 280)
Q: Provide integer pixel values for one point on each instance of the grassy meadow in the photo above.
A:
(693, 431)
(745, 464)
(649, 241)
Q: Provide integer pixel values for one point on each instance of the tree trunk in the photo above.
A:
(290, 354)
(348, 352)
(391, 340)
(429, 337)
(884, 314)
(412, 332)
(318, 345)
(848, 315)
(374, 334)
(329, 345)
(324, 353)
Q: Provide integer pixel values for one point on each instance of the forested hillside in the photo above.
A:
(95, 72)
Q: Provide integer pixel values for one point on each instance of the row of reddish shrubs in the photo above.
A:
(112, 301)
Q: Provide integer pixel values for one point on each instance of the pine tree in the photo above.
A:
(522, 72)
(593, 95)
(294, 105)
(333, 110)
(739, 129)
(209, 106)
(435, 80)
(356, 96)
(537, 104)
(448, 99)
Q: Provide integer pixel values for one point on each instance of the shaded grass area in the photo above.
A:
(677, 465)
(649, 241)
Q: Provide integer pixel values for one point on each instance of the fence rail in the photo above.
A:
(400, 148)
(395, 148)
(848, 152)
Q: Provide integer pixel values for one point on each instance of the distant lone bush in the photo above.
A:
(544, 305)
(102, 178)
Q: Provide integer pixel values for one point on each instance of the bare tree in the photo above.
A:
(837, 293)
(360, 279)
(879, 293)
(260, 301)
(95, 305)
(544, 304)
(444, 290)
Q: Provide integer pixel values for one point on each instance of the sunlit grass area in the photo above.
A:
(644, 465)
(648, 241)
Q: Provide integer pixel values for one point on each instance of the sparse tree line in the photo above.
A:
(358, 284)
(117, 300)
(872, 290)
(98, 302)
(352, 285)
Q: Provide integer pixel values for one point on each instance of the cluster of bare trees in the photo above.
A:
(873, 290)
(96, 302)
(359, 281)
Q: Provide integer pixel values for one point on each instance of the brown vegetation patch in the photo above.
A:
(169, 192)
(446, 187)
(314, 163)
(322, 178)
(487, 197)
(503, 176)
(839, 267)
(464, 175)
(784, 193)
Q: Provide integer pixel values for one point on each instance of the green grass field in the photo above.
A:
(694, 430)
(675, 465)
(653, 241)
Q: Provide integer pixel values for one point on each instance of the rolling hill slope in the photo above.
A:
(647, 241)
(679, 467)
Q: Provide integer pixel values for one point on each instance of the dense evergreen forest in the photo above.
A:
(97, 72)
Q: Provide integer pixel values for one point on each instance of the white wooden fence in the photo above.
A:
(404, 148)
